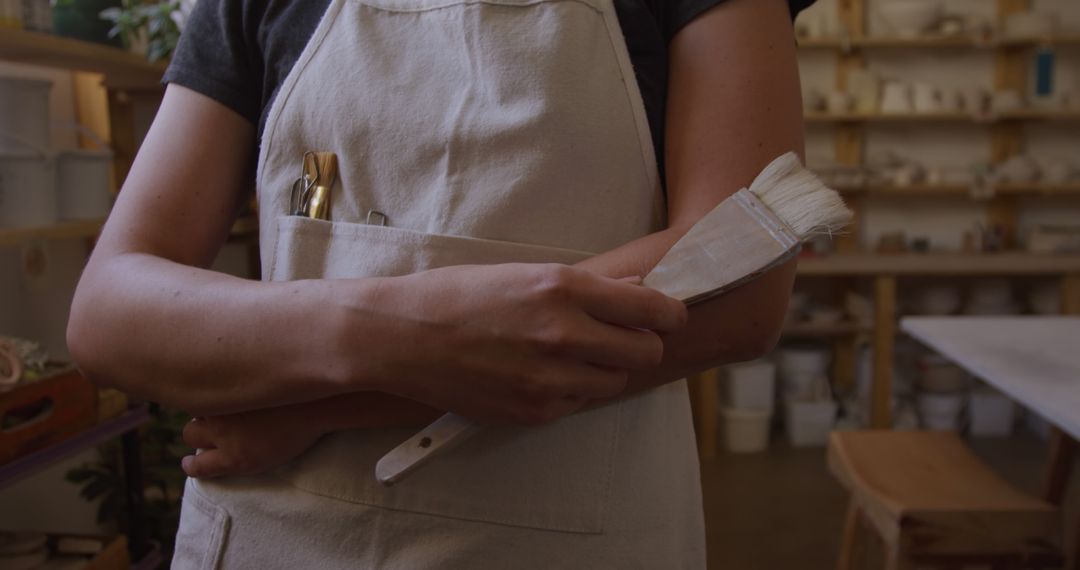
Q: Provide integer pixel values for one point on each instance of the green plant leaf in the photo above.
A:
(80, 474)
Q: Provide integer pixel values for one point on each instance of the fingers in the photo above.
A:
(625, 303)
(615, 346)
(207, 465)
(197, 434)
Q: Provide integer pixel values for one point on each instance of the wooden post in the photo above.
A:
(1070, 294)
(1056, 477)
(703, 400)
(1007, 139)
(884, 338)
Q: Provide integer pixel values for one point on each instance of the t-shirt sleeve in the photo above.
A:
(678, 13)
(218, 57)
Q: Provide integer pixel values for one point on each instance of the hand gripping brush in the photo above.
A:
(749, 233)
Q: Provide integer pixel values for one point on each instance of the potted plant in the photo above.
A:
(79, 19)
(149, 27)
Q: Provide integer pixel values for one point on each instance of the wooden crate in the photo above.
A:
(113, 557)
(44, 412)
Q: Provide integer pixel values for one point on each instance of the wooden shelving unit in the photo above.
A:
(1007, 136)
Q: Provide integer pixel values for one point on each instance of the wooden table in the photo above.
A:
(1033, 360)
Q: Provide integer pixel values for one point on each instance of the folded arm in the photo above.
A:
(734, 105)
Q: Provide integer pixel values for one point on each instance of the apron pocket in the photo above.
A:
(204, 528)
(553, 477)
(306, 248)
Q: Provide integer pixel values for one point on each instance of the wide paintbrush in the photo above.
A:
(749, 233)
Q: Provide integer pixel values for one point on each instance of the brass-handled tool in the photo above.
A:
(311, 191)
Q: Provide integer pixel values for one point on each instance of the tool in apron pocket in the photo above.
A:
(310, 194)
(746, 235)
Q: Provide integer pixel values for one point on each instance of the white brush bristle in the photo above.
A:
(799, 198)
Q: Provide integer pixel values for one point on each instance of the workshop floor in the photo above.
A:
(781, 509)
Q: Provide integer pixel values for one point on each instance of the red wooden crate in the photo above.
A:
(41, 413)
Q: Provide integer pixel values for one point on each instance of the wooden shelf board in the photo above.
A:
(956, 190)
(1008, 263)
(1038, 189)
(1039, 115)
(818, 330)
(921, 42)
(62, 230)
(818, 117)
(1017, 115)
(119, 66)
(934, 42)
(1056, 40)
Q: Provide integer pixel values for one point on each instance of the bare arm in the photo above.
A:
(733, 106)
(150, 319)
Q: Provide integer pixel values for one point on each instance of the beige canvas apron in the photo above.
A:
(486, 131)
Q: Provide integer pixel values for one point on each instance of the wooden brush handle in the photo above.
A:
(445, 433)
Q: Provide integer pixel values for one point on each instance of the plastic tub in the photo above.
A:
(751, 385)
(991, 413)
(809, 360)
(27, 190)
(940, 411)
(937, 300)
(936, 374)
(1045, 299)
(809, 423)
(84, 179)
(746, 431)
(800, 368)
(24, 114)
(991, 292)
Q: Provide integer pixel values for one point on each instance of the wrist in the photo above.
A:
(352, 345)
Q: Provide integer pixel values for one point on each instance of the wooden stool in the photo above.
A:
(932, 502)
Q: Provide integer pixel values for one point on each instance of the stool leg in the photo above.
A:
(895, 559)
(849, 538)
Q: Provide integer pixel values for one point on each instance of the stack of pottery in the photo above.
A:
(27, 167)
(991, 297)
(992, 413)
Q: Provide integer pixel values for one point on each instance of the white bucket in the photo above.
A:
(24, 114)
(27, 190)
(746, 431)
(937, 374)
(800, 368)
(84, 182)
(809, 423)
(991, 413)
(812, 360)
(750, 385)
(940, 411)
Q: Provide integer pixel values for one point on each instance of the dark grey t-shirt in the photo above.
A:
(239, 52)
